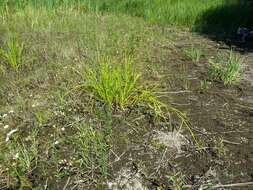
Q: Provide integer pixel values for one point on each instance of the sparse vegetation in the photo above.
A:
(19, 158)
(88, 87)
(93, 148)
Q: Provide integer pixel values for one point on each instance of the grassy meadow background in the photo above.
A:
(199, 15)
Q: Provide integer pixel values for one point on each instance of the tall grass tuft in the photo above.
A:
(113, 83)
(12, 53)
(118, 85)
(227, 69)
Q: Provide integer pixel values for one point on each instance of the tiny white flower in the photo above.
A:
(33, 105)
(6, 126)
(63, 128)
(56, 142)
(27, 139)
(11, 111)
(4, 115)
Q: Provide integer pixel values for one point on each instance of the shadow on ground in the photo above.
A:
(222, 23)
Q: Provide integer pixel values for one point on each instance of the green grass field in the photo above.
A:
(198, 15)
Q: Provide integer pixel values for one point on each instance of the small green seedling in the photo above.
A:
(193, 54)
(177, 181)
(204, 84)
